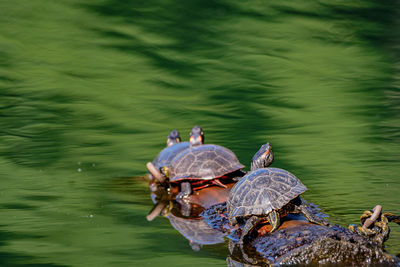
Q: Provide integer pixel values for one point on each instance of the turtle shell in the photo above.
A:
(263, 190)
(167, 154)
(203, 162)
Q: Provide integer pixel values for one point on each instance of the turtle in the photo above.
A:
(159, 167)
(174, 147)
(266, 194)
(201, 166)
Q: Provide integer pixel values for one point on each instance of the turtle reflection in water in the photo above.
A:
(266, 194)
(197, 231)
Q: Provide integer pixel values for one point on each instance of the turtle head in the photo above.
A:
(263, 158)
(196, 136)
(173, 138)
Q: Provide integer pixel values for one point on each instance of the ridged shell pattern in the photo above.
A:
(203, 162)
(167, 154)
(262, 190)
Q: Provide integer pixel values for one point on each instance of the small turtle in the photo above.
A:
(163, 161)
(159, 167)
(266, 194)
(201, 166)
(174, 147)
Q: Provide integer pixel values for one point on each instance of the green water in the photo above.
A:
(89, 91)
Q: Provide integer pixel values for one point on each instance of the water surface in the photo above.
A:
(89, 91)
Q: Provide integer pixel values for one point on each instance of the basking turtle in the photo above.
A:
(201, 166)
(174, 147)
(159, 167)
(196, 138)
(266, 194)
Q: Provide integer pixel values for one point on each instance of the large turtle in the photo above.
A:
(201, 166)
(266, 194)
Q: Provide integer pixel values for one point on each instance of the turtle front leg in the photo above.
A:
(305, 210)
